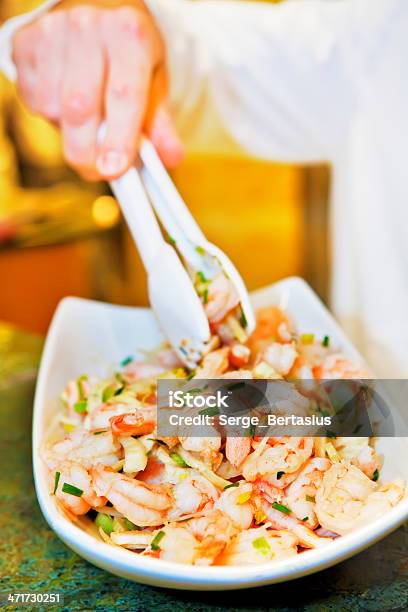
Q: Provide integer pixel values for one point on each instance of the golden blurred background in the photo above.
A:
(60, 236)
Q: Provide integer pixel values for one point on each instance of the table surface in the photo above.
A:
(32, 558)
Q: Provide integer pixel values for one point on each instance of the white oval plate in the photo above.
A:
(90, 337)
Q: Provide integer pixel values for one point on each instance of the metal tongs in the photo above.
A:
(172, 294)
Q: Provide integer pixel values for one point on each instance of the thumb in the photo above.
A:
(163, 135)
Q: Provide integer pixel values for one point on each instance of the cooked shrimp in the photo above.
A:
(235, 502)
(99, 419)
(279, 520)
(222, 298)
(348, 499)
(193, 494)
(84, 448)
(280, 357)
(207, 447)
(259, 545)
(137, 370)
(237, 450)
(143, 504)
(273, 463)
(359, 452)
(337, 365)
(214, 532)
(300, 494)
(138, 423)
(74, 474)
(213, 364)
(178, 544)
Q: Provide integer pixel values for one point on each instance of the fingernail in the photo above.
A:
(111, 162)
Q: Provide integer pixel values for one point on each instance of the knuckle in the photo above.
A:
(133, 23)
(80, 17)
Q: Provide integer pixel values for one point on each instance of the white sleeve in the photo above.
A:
(271, 77)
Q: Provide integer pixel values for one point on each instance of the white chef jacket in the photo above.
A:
(307, 81)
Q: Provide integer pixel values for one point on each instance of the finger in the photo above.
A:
(129, 70)
(81, 106)
(24, 43)
(49, 59)
(163, 135)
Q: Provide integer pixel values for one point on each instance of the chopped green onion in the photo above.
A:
(243, 320)
(310, 498)
(210, 411)
(81, 407)
(330, 434)
(98, 433)
(129, 525)
(200, 250)
(201, 277)
(232, 484)
(183, 350)
(307, 338)
(376, 475)
(67, 488)
(326, 341)
(105, 522)
(126, 361)
(357, 428)
(262, 545)
(177, 459)
(191, 375)
(260, 517)
(80, 380)
(57, 477)
(244, 497)
(304, 519)
(108, 392)
(205, 296)
(281, 508)
(170, 240)
(279, 475)
(157, 539)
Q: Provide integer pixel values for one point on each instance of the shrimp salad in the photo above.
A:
(213, 500)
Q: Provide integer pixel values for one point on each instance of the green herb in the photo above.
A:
(129, 525)
(304, 519)
(281, 508)
(108, 392)
(157, 539)
(262, 545)
(67, 488)
(232, 484)
(279, 475)
(210, 411)
(205, 296)
(326, 341)
(170, 240)
(126, 361)
(357, 428)
(105, 522)
(154, 440)
(81, 407)
(243, 320)
(183, 350)
(376, 475)
(200, 250)
(98, 433)
(177, 459)
(81, 392)
(330, 434)
(310, 498)
(57, 477)
(201, 277)
(191, 375)
(119, 390)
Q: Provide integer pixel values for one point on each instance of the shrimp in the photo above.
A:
(359, 452)
(348, 499)
(237, 450)
(207, 447)
(337, 366)
(178, 544)
(213, 364)
(99, 419)
(279, 520)
(300, 494)
(222, 298)
(280, 357)
(277, 462)
(77, 476)
(239, 355)
(138, 423)
(193, 494)
(143, 504)
(259, 545)
(84, 448)
(271, 323)
(213, 532)
(137, 370)
(235, 503)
